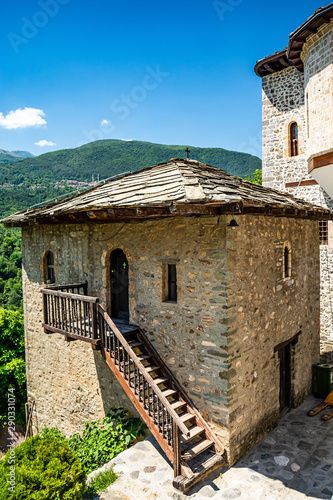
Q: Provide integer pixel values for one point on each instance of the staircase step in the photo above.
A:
(161, 380)
(186, 417)
(184, 484)
(178, 404)
(135, 344)
(169, 392)
(196, 449)
(143, 357)
(150, 369)
(194, 432)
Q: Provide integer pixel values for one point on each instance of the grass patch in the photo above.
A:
(101, 482)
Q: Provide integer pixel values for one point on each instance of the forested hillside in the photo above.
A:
(34, 180)
(10, 269)
(111, 157)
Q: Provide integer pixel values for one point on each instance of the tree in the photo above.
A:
(256, 177)
(12, 365)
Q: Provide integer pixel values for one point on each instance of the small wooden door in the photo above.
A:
(285, 378)
(119, 285)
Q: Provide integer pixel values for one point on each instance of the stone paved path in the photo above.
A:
(294, 462)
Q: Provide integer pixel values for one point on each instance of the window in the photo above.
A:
(323, 232)
(171, 294)
(286, 262)
(49, 274)
(294, 139)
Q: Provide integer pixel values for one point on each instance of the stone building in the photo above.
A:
(297, 97)
(220, 275)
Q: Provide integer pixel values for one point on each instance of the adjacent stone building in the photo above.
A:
(297, 96)
(220, 274)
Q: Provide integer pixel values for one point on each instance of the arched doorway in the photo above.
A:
(119, 285)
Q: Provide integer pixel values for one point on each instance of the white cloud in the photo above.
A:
(105, 122)
(44, 143)
(127, 140)
(22, 118)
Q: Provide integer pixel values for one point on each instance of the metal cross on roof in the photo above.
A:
(187, 151)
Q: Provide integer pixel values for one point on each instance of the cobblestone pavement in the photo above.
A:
(294, 462)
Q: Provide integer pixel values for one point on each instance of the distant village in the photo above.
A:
(56, 185)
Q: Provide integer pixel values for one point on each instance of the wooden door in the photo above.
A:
(285, 378)
(119, 285)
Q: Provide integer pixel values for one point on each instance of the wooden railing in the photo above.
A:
(142, 384)
(80, 317)
(72, 315)
(76, 288)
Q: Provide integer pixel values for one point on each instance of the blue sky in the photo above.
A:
(171, 72)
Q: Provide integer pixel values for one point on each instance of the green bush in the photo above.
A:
(12, 365)
(52, 432)
(101, 441)
(45, 469)
(256, 177)
(10, 269)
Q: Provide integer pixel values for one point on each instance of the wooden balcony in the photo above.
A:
(68, 310)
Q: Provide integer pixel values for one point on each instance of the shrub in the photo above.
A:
(12, 364)
(256, 177)
(100, 482)
(101, 441)
(52, 432)
(45, 469)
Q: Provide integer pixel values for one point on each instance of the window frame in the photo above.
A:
(286, 262)
(294, 139)
(323, 232)
(49, 267)
(170, 283)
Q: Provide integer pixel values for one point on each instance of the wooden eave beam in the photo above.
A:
(283, 62)
(144, 213)
(269, 68)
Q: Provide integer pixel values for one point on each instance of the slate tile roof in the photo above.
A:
(175, 182)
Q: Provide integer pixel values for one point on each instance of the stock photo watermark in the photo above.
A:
(11, 479)
(31, 27)
(224, 7)
(126, 103)
(252, 145)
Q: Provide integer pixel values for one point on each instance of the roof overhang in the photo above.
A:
(131, 214)
(291, 56)
(272, 64)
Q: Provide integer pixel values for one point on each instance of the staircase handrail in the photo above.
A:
(143, 372)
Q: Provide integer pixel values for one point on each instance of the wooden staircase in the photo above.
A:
(176, 424)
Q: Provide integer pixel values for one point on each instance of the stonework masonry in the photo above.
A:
(284, 102)
(317, 56)
(264, 310)
(233, 308)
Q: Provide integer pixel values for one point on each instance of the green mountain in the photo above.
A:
(33, 180)
(23, 154)
(111, 157)
(11, 156)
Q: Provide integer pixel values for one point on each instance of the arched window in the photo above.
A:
(49, 268)
(294, 139)
(286, 262)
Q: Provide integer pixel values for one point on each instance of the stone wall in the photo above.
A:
(317, 56)
(226, 317)
(265, 310)
(283, 103)
(186, 334)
